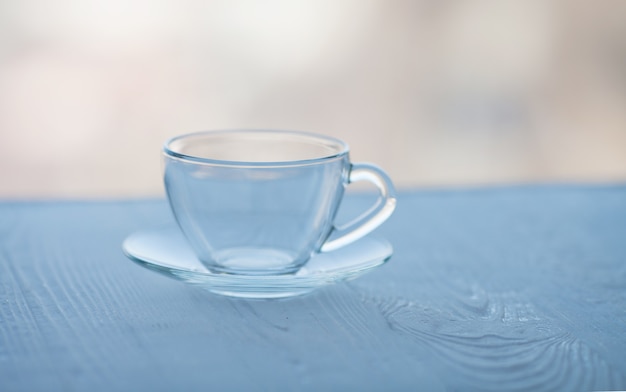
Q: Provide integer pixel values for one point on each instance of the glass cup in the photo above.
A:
(262, 202)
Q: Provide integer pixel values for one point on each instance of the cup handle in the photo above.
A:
(374, 216)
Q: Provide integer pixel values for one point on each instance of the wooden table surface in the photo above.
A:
(520, 288)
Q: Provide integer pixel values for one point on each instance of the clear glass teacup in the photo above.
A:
(263, 202)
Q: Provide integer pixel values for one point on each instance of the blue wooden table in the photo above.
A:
(519, 288)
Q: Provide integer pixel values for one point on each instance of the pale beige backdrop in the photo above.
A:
(439, 93)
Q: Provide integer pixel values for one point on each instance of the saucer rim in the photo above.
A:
(257, 286)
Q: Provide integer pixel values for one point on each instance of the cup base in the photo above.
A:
(254, 261)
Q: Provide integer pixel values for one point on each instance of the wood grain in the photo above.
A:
(494, 289)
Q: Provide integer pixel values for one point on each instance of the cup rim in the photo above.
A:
(342, 151)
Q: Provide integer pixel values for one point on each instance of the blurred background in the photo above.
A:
(440, 93)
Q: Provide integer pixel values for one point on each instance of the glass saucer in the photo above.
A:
(166, 251)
